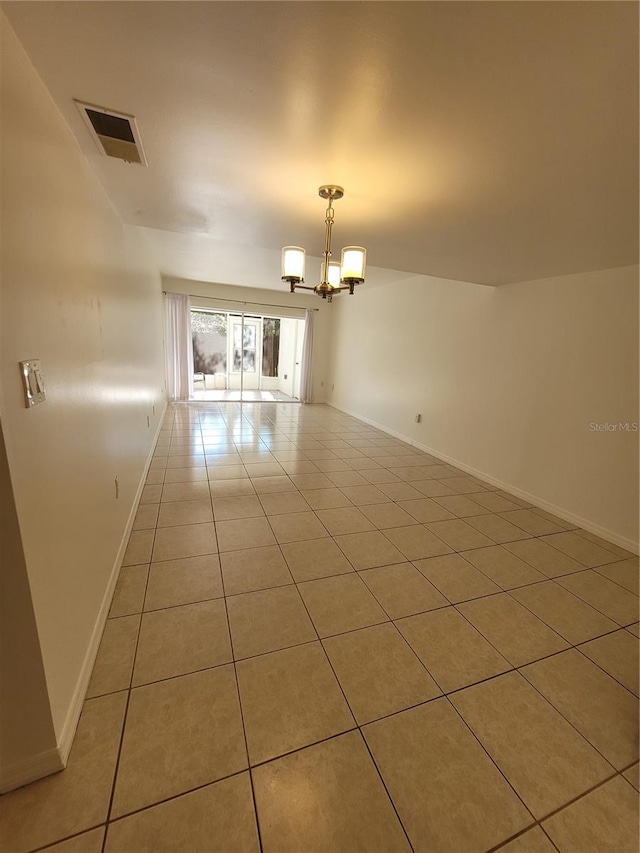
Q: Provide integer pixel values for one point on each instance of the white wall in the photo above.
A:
(507, 381)
(274, 302)
(80, 293)
(28, 747)
(286, 362)
(298, 356)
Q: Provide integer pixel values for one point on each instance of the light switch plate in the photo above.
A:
(33, 382)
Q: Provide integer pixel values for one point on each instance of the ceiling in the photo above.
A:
(490, 142)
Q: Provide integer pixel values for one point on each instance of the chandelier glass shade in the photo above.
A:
(334, 277)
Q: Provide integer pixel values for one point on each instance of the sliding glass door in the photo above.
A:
(244, 342)
(239, 356)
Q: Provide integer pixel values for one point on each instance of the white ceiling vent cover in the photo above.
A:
(116, 134)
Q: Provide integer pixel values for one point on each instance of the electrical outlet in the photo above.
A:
(418, 418)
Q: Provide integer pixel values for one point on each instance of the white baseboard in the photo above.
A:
(35, 767)
(584, 523)
(73, 714)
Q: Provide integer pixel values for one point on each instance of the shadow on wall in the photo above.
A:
(209, 337)
(206, 361)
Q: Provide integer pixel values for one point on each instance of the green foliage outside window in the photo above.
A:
(205, 322)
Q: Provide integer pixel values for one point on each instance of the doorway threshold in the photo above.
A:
(230, 396)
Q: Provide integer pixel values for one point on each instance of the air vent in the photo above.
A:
(116, 134)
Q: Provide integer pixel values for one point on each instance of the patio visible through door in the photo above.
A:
(246, 356)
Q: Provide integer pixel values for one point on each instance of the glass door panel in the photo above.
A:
(210, 353)
(245, 343)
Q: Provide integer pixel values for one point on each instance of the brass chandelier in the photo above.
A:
(335, 276)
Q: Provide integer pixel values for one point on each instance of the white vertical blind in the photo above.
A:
(306, 381)
(178, 345)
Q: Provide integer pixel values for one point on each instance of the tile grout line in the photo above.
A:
(384, 785)
(241, 710)
(535, 509)
(568, 804)
(494, 543)
(297, 490)
(348, 704)
(544, 698)
(531, 684)
(512, 668)
(508, 590)
(126, 709)
(315, 743)
(455, 604)
(524, 831)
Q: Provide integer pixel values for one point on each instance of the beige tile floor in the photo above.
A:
(323, 639)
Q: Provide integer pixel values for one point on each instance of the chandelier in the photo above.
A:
(335, 276)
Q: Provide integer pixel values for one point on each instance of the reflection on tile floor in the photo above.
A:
(323, 639)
